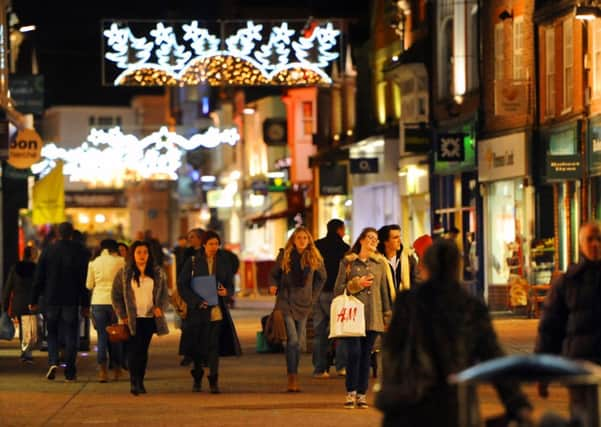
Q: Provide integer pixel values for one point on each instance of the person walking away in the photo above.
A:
(15, 296)
(61, 277)
(570, 323)
(195, 238)
(101, 275)
(207, 324)
(442, 315)
(364, 274)
(332, 248)
(296, 278)
(401, 260)
(139, 296)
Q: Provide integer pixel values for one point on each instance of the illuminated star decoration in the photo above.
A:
(110, 157)
(190, 54)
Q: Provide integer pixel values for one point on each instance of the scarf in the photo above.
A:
(298, 275)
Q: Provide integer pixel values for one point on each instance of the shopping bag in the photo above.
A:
(29, 332)
(7, 329)
(347, 317)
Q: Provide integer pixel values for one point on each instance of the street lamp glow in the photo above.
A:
(27, 28)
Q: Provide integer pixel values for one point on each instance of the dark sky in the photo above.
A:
(68, 39)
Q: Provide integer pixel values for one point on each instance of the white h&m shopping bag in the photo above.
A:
(347, 317)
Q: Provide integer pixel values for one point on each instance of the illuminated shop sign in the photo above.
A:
(225, 53)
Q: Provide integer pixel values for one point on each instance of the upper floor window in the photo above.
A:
(596, 58)
(550, 71)
(499, 45)
(519, 65)
(568, 64)
(445, 47)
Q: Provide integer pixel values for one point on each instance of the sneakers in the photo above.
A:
(350, 400)
(341, 372)
(51, 374)
(362, 401)
(321, 375)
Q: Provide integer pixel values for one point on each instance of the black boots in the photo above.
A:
(213, 385)
(197, 374)
(136, 385)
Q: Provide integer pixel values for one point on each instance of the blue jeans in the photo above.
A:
(103, 316)
(65, 319)
(357, 369)
(321, 343)
(295, 329)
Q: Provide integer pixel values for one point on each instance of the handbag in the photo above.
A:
(7, 328)
(347, 317)
(118, 332)
(29, 331)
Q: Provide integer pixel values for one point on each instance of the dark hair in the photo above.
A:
(131, 261)
(28, 253)
(110, 245)
(208, 235)
(357, 245)
(334, 225)
(443, 261)
(65, 230)
(384, 235)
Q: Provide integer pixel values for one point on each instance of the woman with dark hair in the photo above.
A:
(297, 277)
(364, 273)
(442, 315)
(140, 297)
(209, 327)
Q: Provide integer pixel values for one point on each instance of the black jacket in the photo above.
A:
(20, 285)
(61, 275)
(458, 331)
(332, 249)
(571, 321)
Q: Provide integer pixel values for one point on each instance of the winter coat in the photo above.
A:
(571, 319)
(20, 285)
(456, 329)
(124, 302)
(404, 278)
(332, 249)
(101, 274)
(293, 300)
(376, 298)
(61, 275)
(225, 270)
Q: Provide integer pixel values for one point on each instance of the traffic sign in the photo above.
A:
(25, 149)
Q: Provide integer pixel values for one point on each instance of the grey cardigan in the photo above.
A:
(124, 302)
(295, 300)
(376, 298)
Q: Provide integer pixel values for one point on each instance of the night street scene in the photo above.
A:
(300, 213)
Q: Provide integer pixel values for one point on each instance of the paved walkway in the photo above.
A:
(253, 387)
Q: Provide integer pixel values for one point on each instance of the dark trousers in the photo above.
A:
(103, 316)
(208, 352)
(63, 319)
(358, 358)
(137, 349)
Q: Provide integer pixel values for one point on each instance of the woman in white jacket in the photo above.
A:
(101, 273)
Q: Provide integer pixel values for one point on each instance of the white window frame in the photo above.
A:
(519, 66)
(549, 71)
(499, 47)
(568, 64)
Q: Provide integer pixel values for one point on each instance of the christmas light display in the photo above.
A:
(110, 157)
(256, 54)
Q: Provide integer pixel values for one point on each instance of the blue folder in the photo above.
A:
(206, 288)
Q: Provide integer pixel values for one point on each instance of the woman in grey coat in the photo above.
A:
(297, 277)
(364, 274)
(140, 298)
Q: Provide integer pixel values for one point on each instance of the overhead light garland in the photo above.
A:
(189, 54)
(110, 157)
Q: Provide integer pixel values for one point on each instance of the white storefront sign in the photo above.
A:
(502, 157)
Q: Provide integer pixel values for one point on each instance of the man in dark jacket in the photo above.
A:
(332, 249)
(61, 278)
(571, 319)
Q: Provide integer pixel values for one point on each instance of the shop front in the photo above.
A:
(333, 199)
(415, 197)
(594, 166)
(508, 204)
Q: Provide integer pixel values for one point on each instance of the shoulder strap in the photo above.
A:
(192, 269)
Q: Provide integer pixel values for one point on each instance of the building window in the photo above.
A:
(308, 117)
(473, 79)
(104, 121)
(568, 64)
(550, 71)
(445, 47)
(91, 121)
(519, 66)
(499, 57)
(596, 58)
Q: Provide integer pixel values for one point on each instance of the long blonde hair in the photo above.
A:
(310, 256)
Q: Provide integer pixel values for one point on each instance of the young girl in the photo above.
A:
(140, 298)
(297, 278)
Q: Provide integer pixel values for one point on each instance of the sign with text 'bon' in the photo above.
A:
(25, 149)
